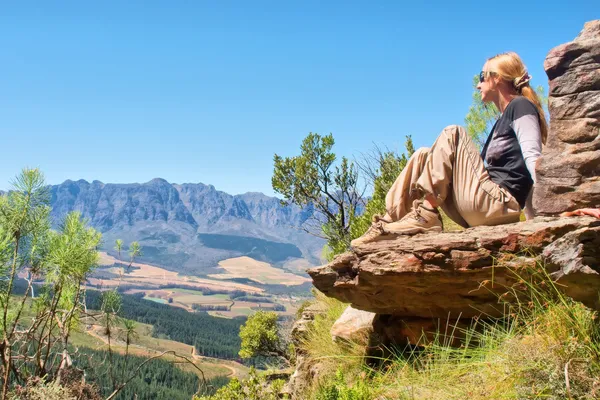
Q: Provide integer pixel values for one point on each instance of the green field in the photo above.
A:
(186, 298)
(198, 293)
(156, 300)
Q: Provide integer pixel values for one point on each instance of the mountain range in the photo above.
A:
(189, 227)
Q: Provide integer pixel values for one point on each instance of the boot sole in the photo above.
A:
(414, 231)
(383, 236)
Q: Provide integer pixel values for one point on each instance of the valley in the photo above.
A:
(189, 228)
(218, 294)
(93, 337)
(208, 261)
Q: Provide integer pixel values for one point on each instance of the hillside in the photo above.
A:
(189, 227)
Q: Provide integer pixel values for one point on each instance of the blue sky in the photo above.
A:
(198, 91)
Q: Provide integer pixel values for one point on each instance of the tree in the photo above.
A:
(254, 388)
(261, 337)
(129, 332)
(64, 259)
(111, 305)
(313, 179)
(36, 347)
(481, 116)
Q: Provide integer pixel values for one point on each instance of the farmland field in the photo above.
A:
(156, 299)
(168, 287)
(152, 276)
(187, 298)
(258, 271)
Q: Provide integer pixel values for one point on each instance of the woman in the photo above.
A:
(452, 174)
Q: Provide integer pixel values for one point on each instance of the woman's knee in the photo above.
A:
(453, 134)
(421, 152)
(454, 130)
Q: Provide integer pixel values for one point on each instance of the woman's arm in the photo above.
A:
(529, 134)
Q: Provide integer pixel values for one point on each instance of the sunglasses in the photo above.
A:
(482, 75)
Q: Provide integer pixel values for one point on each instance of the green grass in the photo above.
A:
(449, 225)
(546, 347)
(220, 296)
(332, 357)
(155, 299)
(242, 310)
(189, 291)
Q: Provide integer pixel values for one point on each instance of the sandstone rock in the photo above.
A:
(578, 80)
(301, 325)
(568, 170)
(400, 331)
(353, 324)
(582, 130)
(575, 106)
(306, 370)
(447, 275)
(580, 52)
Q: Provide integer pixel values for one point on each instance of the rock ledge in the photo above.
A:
(449, 274)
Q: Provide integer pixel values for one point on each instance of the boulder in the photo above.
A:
(353, 325)
(462, 274)
(568, 173)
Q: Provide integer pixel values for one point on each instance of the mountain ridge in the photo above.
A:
(167, 218)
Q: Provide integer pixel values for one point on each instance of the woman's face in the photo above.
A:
(486, 85)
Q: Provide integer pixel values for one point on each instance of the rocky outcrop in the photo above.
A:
(353, 324)
(306, 370)
(416, 284)
(568, 173)
(403, 289)
(447, 275)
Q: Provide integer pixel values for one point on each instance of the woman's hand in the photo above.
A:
(593, 212)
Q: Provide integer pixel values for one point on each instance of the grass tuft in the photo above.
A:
(331, 359)
(547, 346)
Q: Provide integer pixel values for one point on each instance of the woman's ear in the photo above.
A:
(495, 81)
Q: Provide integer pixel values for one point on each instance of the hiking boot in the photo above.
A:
(420, 219)
(373, 234)
(378, 217)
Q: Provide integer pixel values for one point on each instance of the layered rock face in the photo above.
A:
(439, 276)
(306, 370)
(568, 173)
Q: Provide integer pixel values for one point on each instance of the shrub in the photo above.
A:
(339, 389)
(253, 388)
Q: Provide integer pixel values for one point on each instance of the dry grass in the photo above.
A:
(545, 348)
(330, 356)
(261, 272)
(449, 225)
(297, 265)
(152, 276)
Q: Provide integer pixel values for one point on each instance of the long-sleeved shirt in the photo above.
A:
(513, 147)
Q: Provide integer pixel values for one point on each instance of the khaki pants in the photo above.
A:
(453, 172)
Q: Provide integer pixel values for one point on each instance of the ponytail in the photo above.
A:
(532, 96)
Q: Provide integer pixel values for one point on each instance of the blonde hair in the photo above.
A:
(510, 68)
